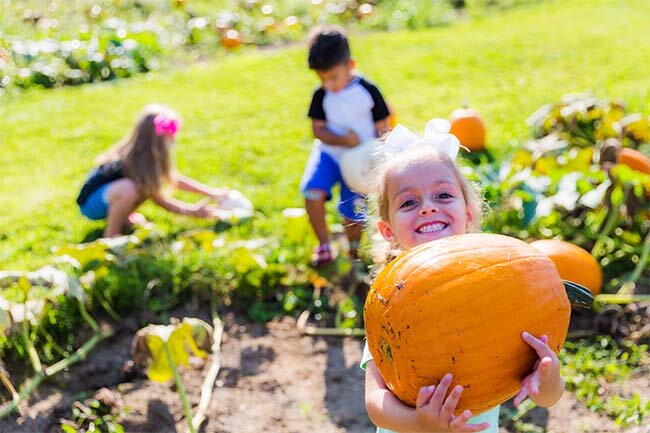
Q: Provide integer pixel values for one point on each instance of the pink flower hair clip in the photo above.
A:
(166, 125)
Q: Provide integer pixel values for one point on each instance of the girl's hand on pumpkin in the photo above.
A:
(545, 382)
(435, 409)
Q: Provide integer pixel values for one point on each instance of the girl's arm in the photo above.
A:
(544, 385)
(201, 209)
(434, 411)
(192, 185)
(326, 136)
(384, 409)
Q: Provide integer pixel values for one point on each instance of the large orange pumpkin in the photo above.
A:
(468, 127)
(634, 159)
(459, 305)
(573, 263)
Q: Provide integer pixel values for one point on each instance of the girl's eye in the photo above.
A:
(445, 195)
(407, 203)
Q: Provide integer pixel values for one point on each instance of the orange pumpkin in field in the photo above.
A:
(231, 39)
(573, 263)
(468, 127)
(459, 305)
(392, 118)
(634, 159)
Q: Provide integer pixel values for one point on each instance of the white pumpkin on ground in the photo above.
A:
(235, 205)
(356, 166)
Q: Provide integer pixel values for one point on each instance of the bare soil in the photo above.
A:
(272, 379)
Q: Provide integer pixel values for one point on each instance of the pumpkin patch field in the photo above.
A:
(193, 325)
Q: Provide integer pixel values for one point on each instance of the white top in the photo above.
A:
(356, 107)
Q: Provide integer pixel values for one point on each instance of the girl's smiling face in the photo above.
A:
(425, 202)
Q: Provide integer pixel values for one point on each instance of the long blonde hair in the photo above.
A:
(422, 152)
(146, 156)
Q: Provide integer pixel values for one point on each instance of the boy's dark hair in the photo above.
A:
(328, 47)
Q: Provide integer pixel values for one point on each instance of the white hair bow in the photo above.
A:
(436, 133)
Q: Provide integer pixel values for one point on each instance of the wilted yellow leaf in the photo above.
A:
(178, 338)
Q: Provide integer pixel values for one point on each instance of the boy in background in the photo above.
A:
(345, 110)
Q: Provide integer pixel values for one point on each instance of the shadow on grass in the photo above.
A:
(93, 235)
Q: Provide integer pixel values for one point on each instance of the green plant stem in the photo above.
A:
(180, 388)
(33, 355)
(107, 307)
(32, 384)
(620, 299)
(639, 268)
(29, 386)
(610, 224)
(60, 350)
(87, 317)
(79, 354)
(525, 407)
(134, 270)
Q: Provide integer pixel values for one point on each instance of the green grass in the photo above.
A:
(244, 116)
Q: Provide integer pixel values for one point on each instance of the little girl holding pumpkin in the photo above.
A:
(137, 168)
(420, 196)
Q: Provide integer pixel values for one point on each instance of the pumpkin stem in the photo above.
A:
(579, 296)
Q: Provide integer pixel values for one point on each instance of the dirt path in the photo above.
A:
(273, 379)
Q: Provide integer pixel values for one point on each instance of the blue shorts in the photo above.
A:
(322, 173)
(96, 205)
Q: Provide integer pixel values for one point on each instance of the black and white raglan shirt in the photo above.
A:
(356, 107)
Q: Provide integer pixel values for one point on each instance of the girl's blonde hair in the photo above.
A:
(422, 152)
(146, 156)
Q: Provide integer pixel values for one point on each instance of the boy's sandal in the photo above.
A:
(323, 255)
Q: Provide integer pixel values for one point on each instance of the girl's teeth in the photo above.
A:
(431, 228)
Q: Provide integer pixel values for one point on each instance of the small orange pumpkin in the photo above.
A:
(231, 39)
(634, 159)
(573, 263)
(468, 127)
(392, 118)
(366, 9)
(459, 305)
